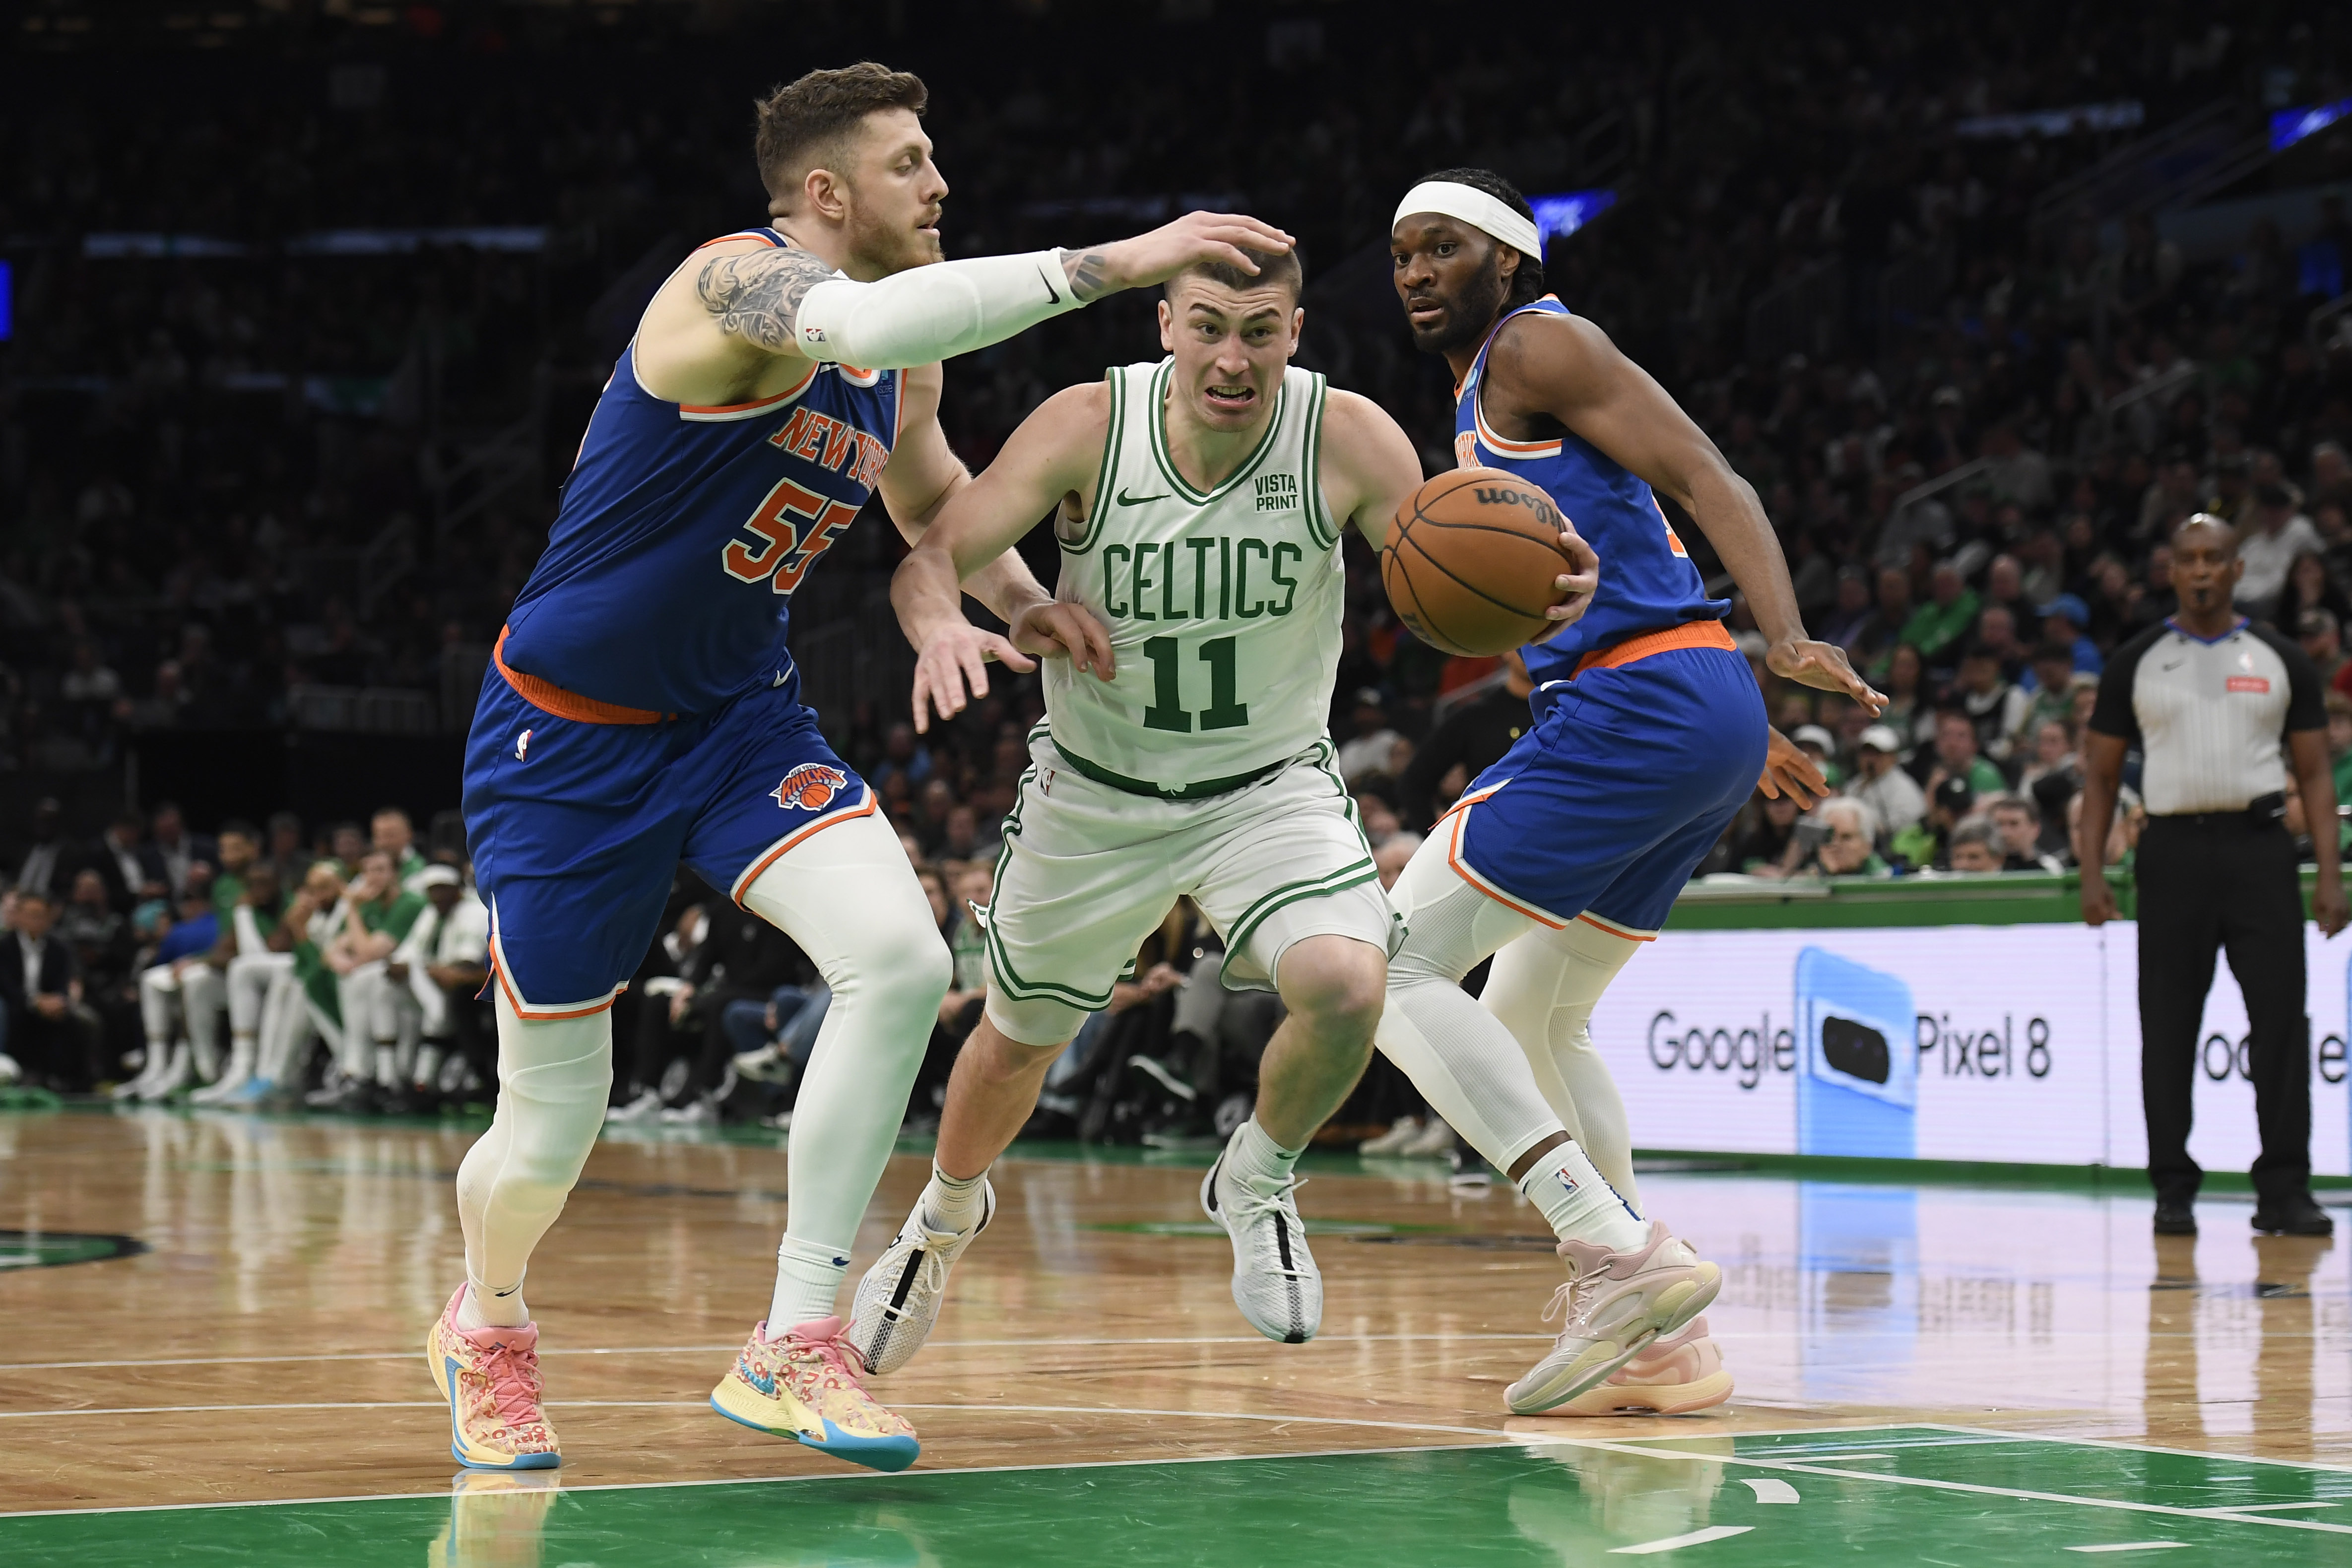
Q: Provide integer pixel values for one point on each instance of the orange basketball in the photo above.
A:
(1470, 559)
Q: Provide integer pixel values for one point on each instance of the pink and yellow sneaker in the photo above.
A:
(804, 1386)
(1670, 1376)
(491, 1378)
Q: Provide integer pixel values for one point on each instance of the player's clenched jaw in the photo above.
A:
(1231, 344)
(1453, 279)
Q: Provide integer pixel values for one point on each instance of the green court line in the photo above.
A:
(1949, 1493)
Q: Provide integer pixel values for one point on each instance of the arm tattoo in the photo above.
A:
(1089, 274)
(756, 296)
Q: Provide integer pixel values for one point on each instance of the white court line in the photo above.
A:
(1769, 1489)
(2132, 1546)
(2024, 1494)
(2226, 1458)
(2266, 1506)
(737, 1345)
(1675, 1542)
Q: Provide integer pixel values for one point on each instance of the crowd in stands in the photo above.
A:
(225, 467)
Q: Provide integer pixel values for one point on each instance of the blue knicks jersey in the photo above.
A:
(1647, 580)
(667, 580)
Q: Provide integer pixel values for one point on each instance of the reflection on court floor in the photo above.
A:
(1998, 1373)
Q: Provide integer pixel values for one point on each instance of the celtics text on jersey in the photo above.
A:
(1224, 605)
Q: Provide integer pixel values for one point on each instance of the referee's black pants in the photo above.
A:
(2229, 882)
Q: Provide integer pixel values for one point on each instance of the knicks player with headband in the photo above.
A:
(1199, 503)
(642, 708)
(1563, 858)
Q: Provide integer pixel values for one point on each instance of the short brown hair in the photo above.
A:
(804, 121)
(1285, 268)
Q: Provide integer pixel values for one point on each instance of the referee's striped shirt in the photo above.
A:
(2210, 718)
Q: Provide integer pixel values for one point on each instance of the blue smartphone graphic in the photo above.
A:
(1858, 1072)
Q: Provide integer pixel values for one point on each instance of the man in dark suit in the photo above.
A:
(50, 1033)
(132, 869)
(179, 850)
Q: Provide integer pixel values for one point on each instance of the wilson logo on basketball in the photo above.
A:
(812, 786)
(1499, 495)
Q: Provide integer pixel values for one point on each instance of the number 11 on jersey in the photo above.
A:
(1167, 709)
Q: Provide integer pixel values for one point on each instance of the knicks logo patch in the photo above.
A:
(812, 786)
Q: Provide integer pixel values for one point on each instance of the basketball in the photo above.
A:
(1470, 561)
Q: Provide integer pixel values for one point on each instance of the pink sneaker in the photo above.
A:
(804, 1386)
(491, 1378)
(1669, 1376)
(1613, 1305)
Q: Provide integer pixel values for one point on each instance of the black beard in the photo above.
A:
(1467, 317)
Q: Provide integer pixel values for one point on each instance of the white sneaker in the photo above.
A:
(1275, 1282)
(179, 1071)
(899, 1299)
(152, 1062)
(232, 1078)
(1433, 1139)
(1673, 1376)
(769, 1064)
(1402, 1132)
(699, 1111)
(10, 1073)
(1614, 1306)
(647, 1104)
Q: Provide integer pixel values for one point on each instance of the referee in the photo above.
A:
(2207, 697)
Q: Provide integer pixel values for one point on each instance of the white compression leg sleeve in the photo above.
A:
(554, 1077)
(1544, 987)
(847, 896)
(1463, 1061)
(934, 312)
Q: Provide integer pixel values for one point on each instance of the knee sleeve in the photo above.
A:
(1461, 1058)
(555, 1078)
(1543, 988)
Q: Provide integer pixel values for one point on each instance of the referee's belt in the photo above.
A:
(1200, 790)
(2262, 811)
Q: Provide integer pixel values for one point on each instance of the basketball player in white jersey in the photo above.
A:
(1199, 503)
(643, 709)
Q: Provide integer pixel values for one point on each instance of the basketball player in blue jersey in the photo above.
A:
(642, 708)
(1563, 857)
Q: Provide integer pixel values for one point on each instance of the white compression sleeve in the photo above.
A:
(554, 1077)
(847, 896)
(1543, 987)
(934, 312)
(1463, 1061)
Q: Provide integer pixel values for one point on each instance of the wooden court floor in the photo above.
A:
(199, 1311)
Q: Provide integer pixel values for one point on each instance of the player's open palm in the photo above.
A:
(953, 670)
(1823, 665)
(1058, 630)
(1156, 256)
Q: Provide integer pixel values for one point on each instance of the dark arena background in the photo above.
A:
(304, 308)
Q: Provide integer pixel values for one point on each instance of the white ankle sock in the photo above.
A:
(482, 1308)
(952, 1202)
(1253, 1153)
(1579, 1204)
(808, 1283)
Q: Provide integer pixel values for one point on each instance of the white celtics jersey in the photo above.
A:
(1224, 605)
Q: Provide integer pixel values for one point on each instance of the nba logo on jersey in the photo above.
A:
(812, 786)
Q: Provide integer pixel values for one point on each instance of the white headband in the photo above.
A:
(1476, 209)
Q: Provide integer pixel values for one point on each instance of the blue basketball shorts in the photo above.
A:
(577, 824)
(1631, 773)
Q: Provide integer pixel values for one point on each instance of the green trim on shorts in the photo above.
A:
(1000, 965)
(1289, 893)
(1323, 756)
(1201, 790)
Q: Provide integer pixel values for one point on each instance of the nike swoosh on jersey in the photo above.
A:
(1052, 295)
(1125, 500)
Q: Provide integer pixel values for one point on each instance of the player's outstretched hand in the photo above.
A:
(1156, 257)
(1058, 630)
(957, 657)
(1823, 665)
(1789, 769)
(1574, 586)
